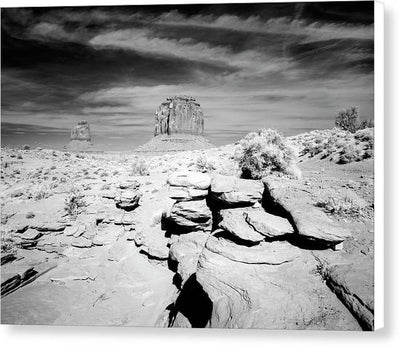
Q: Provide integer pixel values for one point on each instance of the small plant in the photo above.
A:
(74, 202)
(350, 153)
(8, 244)
(203, 164)
(366, 124)
(139, 167)
(41, 192)
(348, 120)
(365, 136)
(341, 205)
(264, 152)
(321, 270)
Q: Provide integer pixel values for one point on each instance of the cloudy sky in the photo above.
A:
(289, 66)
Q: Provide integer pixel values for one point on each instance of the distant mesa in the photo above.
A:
(81, 132)
(179, 115)
(80, 137)
(179, 122)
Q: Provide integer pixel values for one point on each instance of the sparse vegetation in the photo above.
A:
(264, 152)
(139, 167)
(74, 202)
(42, 192)
(8, 244)
(341, 146)
(350, 153)
(203, 164)
(342, 204)
(348, 119)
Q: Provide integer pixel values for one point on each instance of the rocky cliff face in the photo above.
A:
(80, 137)
(179, 115)
(81, 132)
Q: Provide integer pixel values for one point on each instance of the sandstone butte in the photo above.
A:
(179, 115)
(81, 132)
(81, 139)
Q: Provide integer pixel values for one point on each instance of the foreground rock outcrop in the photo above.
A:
(184, 244)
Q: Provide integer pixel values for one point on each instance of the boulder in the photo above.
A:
(230, 191)
(354, 286)
(31, 234)
(272, 253)
(192, 215)
(185, 251)
(268, 286)
(128, 195)
(82, 242)
(186, 194)
(309, 221)
(268, 224)
(188, 179)
(152, 242)
(233, 221)
(179, 115)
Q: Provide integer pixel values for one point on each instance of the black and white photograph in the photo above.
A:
(189, 165)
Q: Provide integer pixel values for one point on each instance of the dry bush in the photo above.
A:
(264, 152)
(139, 167)
(350, 153)
(342, 204)
(8, 244)
(204, 164)
(41, 192)
(74, 202)
(366, 136)
(365, 124)
(348, 119)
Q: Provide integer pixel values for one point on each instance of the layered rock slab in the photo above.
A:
(192, 215)
(230, 191)
(309, 221)
(266, 286)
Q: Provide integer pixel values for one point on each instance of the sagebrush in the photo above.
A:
(139, 167)
(74, 202)
(264, 152)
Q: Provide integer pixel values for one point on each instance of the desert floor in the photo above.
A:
(111, 263)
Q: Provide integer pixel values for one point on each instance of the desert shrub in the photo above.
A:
(203, 164)
(366, 136)
(348, 120)
(41, 192)
(342, 204)
(8, 244)
(139, 167)
(74, 202)
(350, 153)
(365, 124)
(263, 152)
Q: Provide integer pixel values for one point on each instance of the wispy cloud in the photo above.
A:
(311, 31)
(144, 41)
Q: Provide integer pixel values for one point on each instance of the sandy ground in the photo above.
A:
(115, 282)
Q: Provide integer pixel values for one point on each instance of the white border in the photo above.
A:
(379, 165)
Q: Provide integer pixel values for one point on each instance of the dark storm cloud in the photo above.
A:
(113, 65)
